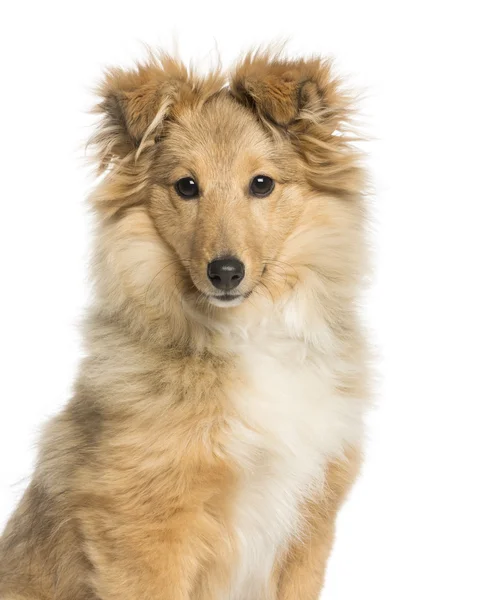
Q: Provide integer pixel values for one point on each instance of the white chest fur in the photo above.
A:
(290, 420)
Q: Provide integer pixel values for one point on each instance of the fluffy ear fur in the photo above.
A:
(288, 91)
(133, 103)
(304, 101)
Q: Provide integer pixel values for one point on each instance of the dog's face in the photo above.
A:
(238, 185)
(224, 196)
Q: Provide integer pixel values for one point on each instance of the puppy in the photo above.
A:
(217, 420)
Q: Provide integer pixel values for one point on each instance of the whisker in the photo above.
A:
(169, 264)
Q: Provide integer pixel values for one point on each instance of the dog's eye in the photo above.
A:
(187, 188)
(261, 186)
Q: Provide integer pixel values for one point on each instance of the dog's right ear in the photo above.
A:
(133, 106)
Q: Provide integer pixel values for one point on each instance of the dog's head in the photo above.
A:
(223, 189)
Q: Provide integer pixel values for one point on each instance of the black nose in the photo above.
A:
(226, 273)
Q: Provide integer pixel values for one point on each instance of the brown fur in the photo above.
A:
(134, 490)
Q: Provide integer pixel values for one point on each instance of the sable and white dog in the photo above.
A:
(217, 420)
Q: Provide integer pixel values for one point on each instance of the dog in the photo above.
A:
(217, 420)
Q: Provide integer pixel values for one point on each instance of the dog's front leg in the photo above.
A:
(299, 575)
(143, 561)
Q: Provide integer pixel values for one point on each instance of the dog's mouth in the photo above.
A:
(227, 300)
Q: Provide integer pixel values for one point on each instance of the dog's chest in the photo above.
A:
(288, 422)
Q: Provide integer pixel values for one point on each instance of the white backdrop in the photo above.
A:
(409, 529)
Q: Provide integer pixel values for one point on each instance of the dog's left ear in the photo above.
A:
(304, 101)
(286, 93)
